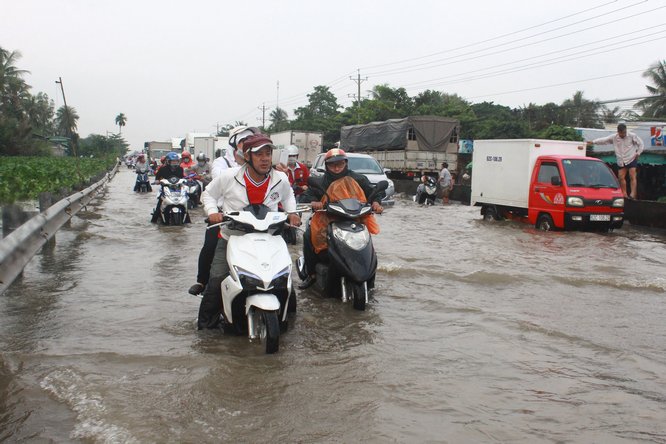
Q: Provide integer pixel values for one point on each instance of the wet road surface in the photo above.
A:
(479, 332)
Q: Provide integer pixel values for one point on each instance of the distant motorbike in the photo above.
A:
(352, 261)
(142, 184)
(257, 295)
(194, 189)
(426, 193)
(174, 208)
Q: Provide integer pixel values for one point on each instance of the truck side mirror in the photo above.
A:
(556, 181)
(387, 170)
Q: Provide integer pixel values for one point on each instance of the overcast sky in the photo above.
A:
(174, 67)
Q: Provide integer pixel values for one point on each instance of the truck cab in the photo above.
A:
(574, 193)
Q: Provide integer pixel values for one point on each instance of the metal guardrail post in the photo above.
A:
(20, 246)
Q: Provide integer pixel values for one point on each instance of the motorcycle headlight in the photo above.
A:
(354, 240)
(573, 201)
(619, 202)
(248, 280)
(281, 279)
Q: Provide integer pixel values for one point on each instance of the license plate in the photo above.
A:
(600, 217)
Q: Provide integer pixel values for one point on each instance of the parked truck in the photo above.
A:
(156, 150)
(551, 184)
(204, 144)
(309, 144)
(407, 147)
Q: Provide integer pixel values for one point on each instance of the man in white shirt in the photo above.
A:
(445, 182)
(628, 148)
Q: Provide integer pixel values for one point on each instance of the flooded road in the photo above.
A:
(479, 332)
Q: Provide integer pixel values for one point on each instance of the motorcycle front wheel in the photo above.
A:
(269, 331)
(358, 297)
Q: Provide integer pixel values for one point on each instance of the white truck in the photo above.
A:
(203, 144)
(407, 147)
(548, 183)
(156, 150)
(309, 144)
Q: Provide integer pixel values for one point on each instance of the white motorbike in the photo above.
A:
(174, 206)
(257, 295)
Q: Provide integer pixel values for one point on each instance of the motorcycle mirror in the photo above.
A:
(381, 186)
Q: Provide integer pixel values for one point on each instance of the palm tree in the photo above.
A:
(120, 121)
(67, 119)
(655, 106)
(10, 75)
(278, 119)
(581, 112)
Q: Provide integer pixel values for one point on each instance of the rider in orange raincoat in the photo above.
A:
(339, 183)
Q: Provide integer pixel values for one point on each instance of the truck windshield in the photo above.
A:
(588, 174)
(365, 165)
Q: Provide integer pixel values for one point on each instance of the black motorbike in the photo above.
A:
(426, 193)
(351, 262)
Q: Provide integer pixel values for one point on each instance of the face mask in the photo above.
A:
(201, 163)
(292, 160)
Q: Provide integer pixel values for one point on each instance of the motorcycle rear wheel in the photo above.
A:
(269, 331)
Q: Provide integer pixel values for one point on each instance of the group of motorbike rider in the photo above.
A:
(249, 178)
(245, 176)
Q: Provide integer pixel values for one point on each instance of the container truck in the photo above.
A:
(550, 184)
(407, 148)
(309, 144)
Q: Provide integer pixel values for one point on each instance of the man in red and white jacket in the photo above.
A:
(256, 182)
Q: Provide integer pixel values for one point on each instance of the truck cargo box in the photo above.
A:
(502, 168)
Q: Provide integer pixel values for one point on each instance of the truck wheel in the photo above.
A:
(545, 223)
(490, 213)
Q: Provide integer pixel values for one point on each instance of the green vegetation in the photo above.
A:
(26, 177)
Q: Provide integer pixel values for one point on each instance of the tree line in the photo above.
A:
(30, 125)
(485, 120)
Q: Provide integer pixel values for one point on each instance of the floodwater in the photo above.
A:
(479, 332)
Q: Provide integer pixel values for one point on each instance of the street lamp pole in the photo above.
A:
(69, 122)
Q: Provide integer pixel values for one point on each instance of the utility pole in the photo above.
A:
(277, 101)
(69, 119)
(358, 81)
(263, 115)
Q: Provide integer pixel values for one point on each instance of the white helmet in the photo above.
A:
(293, 150)
(239, 133)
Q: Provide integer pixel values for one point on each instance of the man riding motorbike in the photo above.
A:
(336, 162)
(256, 182)
(237, 138)
(171, 169)
(141, 167)
(202, 169)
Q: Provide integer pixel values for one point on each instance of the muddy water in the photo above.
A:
(479, 332)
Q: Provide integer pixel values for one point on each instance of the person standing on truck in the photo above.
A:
(445, 183)
(628, 148)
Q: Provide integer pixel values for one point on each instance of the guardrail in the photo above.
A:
(22, 244)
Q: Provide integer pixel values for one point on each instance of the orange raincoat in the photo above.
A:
(344, 188)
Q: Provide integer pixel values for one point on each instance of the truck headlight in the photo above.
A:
(619, 202)
(573, 201)
(354, 240)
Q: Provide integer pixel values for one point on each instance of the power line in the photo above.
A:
(404, 70)
(493, 38)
